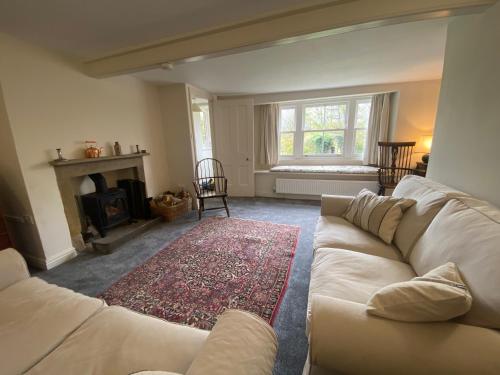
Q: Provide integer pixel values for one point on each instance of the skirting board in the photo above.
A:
(47, 264)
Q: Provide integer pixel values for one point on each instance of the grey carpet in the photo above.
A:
(91, 273)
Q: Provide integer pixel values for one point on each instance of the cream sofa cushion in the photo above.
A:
(336, 232)
(467, 232)
(430, 197)
(353, 276)
(35, 317)
(118, 341)
(155, 373)
(379, 215)
(439, 295)
(239, 344)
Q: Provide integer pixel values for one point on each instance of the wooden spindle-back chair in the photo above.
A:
(394, 163)
(210, 182)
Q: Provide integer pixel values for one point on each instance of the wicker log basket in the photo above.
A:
(170, 206)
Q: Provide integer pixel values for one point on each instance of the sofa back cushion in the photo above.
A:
(431, 197)
(467, 232)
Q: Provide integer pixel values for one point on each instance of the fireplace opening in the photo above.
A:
(107, 207)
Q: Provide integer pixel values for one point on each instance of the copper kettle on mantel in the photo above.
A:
(92, 151)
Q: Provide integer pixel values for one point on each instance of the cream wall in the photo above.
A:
(14, 200)
(51, 104)
(175, 104)
(465, 153)
(414, 107)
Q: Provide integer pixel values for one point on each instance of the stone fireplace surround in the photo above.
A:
(70, 174)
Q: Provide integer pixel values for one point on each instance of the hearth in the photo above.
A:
(107, 207)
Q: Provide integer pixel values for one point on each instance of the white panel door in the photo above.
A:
(233, 125)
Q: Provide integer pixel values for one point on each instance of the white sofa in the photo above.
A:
(349, 265)
(45, 329)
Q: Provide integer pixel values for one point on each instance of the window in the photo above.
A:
(363, 108)
(332, 130)
(287, 130)
(324, 129)
(201, 127)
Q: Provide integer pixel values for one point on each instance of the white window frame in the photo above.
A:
(348, 156)
(297, 125)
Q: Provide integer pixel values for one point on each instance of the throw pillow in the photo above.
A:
(379, 215)
(439, 295)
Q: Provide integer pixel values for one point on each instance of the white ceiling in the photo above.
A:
(91, 28)
(399, 53)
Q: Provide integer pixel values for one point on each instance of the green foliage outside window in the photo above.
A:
(324, 128)
(317, 143)
(286, 144)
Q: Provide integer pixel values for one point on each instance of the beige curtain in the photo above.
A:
(268, 120)
(378, 129)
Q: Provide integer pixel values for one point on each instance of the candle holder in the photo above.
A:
(60, 156)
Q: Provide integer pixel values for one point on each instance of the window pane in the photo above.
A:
(286, 144)
(325, 117)
(314, 117)
(335, 116)
(324, 143)
(363, 114)
(359, 141)
(287, 120)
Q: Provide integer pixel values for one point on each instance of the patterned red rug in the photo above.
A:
(221, 263)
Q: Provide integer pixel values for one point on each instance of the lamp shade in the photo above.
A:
(425, 144)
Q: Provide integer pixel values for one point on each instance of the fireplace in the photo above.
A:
(70, 175)
(107, 207)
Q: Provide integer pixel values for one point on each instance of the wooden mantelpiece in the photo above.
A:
(58, 163)
(70, 172)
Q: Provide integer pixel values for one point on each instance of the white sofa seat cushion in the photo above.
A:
(431, 197)
(118, 341)
(336, 232)
(353, 276)
(35, 317)
(466, 232)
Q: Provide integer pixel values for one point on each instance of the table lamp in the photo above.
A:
(425, 145)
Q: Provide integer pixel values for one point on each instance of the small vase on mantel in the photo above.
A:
(118, 149)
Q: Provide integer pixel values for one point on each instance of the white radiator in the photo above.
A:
(318, 187)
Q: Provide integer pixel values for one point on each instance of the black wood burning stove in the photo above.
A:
(107, 207)
(138, 206)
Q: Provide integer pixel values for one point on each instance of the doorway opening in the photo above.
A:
(201, 128)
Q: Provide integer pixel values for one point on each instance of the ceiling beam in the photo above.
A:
(325, 18)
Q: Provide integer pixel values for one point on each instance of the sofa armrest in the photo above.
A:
(13, 268)
(344, 338)
(240, 343)
(334, 205)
